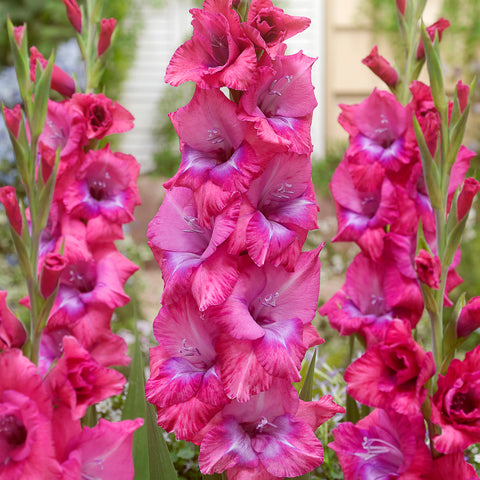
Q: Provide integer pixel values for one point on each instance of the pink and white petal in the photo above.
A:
(242, 374)
(318, 412)
(289, 450)
(235, 318)
(226, 446)
(295, 294)
(213, 280)
(175, 381)
(264, 237)
(211, 390)
(280, 351)
(186, 419)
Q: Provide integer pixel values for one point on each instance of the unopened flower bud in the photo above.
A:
(13, 119)
(107, 26)
(53, 266)
(61, 81)
(469, 318)
(8, 197)
(74, 14)
(466, 196)
(381, 67)
(429, 269)
(439, 26)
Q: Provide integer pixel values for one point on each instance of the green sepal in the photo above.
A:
(90, 419)
(429, 300)
(306, 393)
(457, 132)
(21, 60)
(21, 151)
(452, 214)
(22, 253)
(450, 339)
(435, 71)
(353, 414)
(430, 168)
(453, 240)
(40, 99)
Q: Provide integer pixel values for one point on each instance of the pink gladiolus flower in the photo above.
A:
(363, 214)
(101, 115)
(184, 383)
(368, 308)
(280, 102)
(217, 55)
(268, 26)
(266, 437)
(61, 81)
(78, 381)
(91, 283)
(94, 333)
(74, 14)
(392, 374)
(456, 404)
(271, 308)
(438, 27)
(64, 129)
(380, 131)
(192, 256)
(106, 184)
(429, 269)
(104, 451)
(12, 332)
(383, 445)
(216, 160)
(107, 26)
(276, 212)
(8, 198)
(381, 67)
(26, 444)
(469, 318)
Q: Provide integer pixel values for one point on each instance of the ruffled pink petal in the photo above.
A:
(241, 372)
(281, 350)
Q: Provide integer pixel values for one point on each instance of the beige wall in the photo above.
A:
(348, 42)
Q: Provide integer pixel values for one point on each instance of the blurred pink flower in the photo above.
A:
(456, 404)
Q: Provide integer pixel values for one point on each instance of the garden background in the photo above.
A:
(149, 33)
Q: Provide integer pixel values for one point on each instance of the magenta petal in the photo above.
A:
(291, 449)
(265, 237)
(176, 381)
(186, 419)
(225, 446)
(242, 374)
(209, 122)
(106, 449)
(214, 279)
(280, 351)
